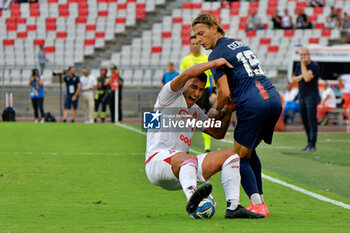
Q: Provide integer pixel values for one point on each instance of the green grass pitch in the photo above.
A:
(90, 178)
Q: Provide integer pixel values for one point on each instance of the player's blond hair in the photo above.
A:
(210, 20)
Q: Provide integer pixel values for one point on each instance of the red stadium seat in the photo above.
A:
(187, 5)
(177, 20)
(197, 5)
(8, 42)
(11, 27)
(313, 40)
(301, 4)
(51, 21)
(21, 20)
(185, 42)
(236, 4)
(319, 25)
(270, 11)
(52, 1)
(166, 35)
(156, 49)
(131, 0)
(272, 49)
(63, 10)
(89, 42)
(234, 11)
(273, 4)
(318, 10)
(226, 27)
(38, 42)
(326, 33)
(50, 49)
(122, 6)
(90, 27)
(140, 11)
(265, 41)
(50, 27)
(289, 33)
(61, 35)
(31, 27)
(120, 20)
(22, 35)
(100, 35)
(313, 18)
(225, 5)
(102, 13)
(251, 34)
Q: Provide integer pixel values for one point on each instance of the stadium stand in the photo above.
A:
(74, 29)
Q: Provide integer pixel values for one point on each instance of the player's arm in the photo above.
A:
(224, 117)
(195, 70)
(222, 97)
(307, 75)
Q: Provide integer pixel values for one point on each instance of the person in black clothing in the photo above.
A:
(102, 94)
(276, 19)
(307, 74)
(115, 81)
(302, 21)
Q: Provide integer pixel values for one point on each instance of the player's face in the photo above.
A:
(205, 35)
(195, 46)
(193, 90)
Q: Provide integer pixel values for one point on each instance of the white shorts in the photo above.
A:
(159, 172)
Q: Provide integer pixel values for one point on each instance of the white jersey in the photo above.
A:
(346, 80)
(331, 101)
(180, 141)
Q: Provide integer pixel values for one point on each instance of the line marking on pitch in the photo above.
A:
(269, 178)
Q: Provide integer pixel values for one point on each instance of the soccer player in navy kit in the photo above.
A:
(258, 103)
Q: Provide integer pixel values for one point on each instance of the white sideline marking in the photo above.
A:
(304, 191)
(269, 178)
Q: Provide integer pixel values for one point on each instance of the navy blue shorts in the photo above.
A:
(257, 122)
(68, 102)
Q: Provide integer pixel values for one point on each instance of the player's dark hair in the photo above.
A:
(202, 77)
(210, 20)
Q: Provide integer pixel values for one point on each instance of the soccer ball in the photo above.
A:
(205, 209)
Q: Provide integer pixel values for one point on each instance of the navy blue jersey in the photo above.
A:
(247, 81)
(72, 84)
(308, 88)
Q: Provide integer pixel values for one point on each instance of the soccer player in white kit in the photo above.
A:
(168, 164)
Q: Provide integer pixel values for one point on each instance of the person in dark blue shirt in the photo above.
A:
(170, 75)
(258, 103)
(306, 74)
(73, 88)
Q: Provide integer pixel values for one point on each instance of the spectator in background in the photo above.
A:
(291, 106)
(102, 95)
(306, 74)
(314, 3)
(328, 103)
(88, 85)
(345, 27)
(333, 20)
(73, 89)
(254, 22)
(302, 21)
(344, 81)
(5, 4)
(115, 82)
(42, 59)
(36, 83)
(287, 20)
(277, 20)
(170, 75)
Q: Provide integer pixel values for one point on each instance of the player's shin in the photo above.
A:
(231, 180)
(188, 176)
(249, 181)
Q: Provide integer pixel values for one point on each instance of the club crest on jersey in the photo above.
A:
(152, 120)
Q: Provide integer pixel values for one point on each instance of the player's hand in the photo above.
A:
(220, 63)
(74, 98)
(212, 113)
(212, 98)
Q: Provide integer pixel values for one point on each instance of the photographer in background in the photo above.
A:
(36, 84)
(73, 88)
